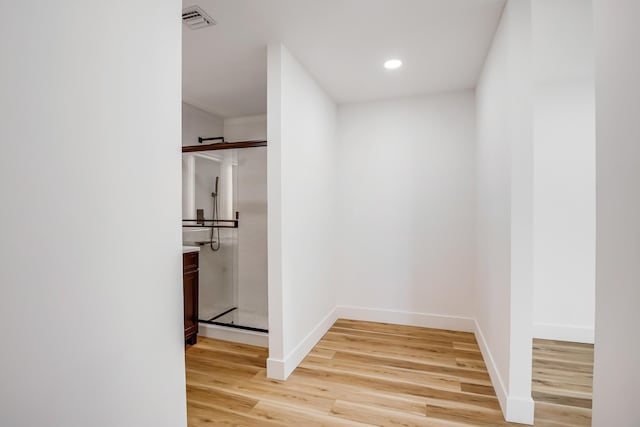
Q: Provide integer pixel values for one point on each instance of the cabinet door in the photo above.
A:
(190, 287)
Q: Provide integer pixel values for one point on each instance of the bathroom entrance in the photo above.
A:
(225, 217)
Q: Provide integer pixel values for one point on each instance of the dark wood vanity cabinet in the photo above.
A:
(190, 290)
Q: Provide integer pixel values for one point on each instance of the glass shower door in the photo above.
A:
(233, 261)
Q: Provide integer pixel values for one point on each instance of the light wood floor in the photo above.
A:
(361, 374)
(562, 382)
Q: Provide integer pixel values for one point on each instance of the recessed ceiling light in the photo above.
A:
(392, 64)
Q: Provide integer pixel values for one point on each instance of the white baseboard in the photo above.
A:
(496, 379)
(520, 410)
(281, 369)
(548, 331)
(275, 369)
(241, 336)
(515, 410)
(425, 320)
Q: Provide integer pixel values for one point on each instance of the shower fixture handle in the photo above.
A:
(215, 191)
(216, 217)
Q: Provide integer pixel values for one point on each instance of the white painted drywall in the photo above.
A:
(406, 195)
(301, 186)
(564, 171)
(248, 128)
(275, 289)
(617, 371)
(91, 318)
(505, 209)
(199, 123)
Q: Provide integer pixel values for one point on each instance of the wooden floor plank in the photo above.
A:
(364, 374)
(562, 382)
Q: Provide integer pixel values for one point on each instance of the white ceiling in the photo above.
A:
(342, 43)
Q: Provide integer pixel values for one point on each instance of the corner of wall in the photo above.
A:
(274, 210)
(520, 410)
(494, 373)
(301, 297)
(515, 409)
(280, 369)
(275, 369)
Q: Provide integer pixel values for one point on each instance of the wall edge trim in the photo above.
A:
(494, 374)
(514, 409)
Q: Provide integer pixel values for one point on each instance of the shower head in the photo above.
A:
(215, 191)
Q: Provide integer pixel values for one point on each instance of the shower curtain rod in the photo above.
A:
(223, 145)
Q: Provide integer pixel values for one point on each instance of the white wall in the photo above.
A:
(301, 184)
(91, 319)
(247, 128)
(505, 208)
(564, 171)
(405, 214)
(198, 123)
(617, 372)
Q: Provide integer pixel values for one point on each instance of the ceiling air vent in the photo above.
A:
(195, 18)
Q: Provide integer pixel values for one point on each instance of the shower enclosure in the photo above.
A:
(225, 214)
